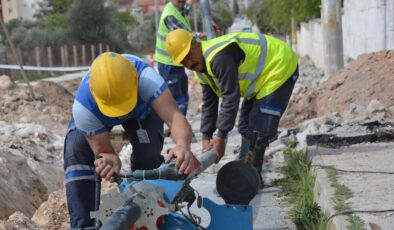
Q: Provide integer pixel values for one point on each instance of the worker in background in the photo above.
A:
(119, 90)
(174, 17)
(257, 67)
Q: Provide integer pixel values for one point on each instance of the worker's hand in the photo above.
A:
(185, 160)
(107, 164)
(206, 145)
(203, 35)
(216, 27)
(219, 144)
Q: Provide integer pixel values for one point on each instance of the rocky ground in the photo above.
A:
(32, 130)
(364, 86)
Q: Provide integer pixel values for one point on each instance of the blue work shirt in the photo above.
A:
(86, 116)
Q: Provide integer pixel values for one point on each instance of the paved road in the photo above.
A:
(269, 211)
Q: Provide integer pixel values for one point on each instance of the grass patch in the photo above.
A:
(36, 77)
(298, 185)
(33, 77)
(343, 193)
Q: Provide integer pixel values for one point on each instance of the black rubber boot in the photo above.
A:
(245, 144)
(258, 160)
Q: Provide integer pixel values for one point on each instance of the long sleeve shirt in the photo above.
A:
(172, 23)
(225, 67)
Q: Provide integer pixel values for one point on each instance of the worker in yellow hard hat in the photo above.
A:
(260, 68)
(119, 90)
(174, 16)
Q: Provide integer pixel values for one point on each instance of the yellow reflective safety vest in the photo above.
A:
(161, 54)
(268, 63)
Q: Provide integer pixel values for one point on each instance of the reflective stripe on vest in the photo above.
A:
(261, 42)
(161, 54)
(268, 63)
(205, 80)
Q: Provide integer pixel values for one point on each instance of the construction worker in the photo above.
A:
(174, 17)
(257, 67)
(119, 90)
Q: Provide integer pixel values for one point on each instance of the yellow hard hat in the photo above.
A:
(114, 84)
(178, 44)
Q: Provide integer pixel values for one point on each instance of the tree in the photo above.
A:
(49, 7)
(222, 14)
(259, 14)
(54, 13)
(276, 14)
(140, 37)
(235, 7)
(56, 21)
(90, 21)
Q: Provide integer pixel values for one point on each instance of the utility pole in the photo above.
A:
(15, 54)
(156, 17)
(332, 34)
(293, 32)
(207, 18)
(195, 16)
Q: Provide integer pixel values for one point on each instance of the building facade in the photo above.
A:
(22, 9)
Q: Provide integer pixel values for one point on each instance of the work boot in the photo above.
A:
(258, 155)
(261, 185)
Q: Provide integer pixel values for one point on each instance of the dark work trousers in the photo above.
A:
(177, 81)
(263, 115)
(79, 167)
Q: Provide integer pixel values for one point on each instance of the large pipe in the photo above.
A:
(293, 32)
(169, 172)
(156, 17)
(124, 217)
(195, 17)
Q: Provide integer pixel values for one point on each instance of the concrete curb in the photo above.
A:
(367, 172)
(322, 193)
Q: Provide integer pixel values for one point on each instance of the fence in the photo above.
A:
(53, 56)
(367, 26)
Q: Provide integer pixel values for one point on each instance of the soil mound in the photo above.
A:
(51, 106)
(369, 78)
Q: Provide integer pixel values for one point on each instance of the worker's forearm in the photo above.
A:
(209, 112)
(100, 143)
(181, 132)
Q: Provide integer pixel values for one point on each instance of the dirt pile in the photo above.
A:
(51, 106)
(31, 159)
(368, 79)
(30, 167)
(53, 214)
